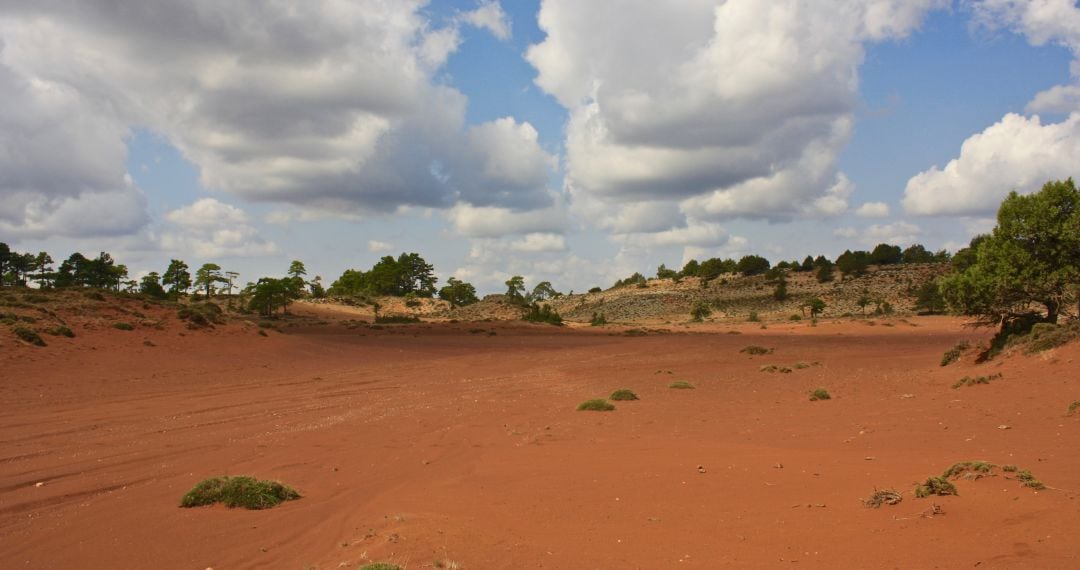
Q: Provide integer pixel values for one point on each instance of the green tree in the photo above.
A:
(515, 288)
(752, 265)
(690, 269)
(916, 253)
(1032, 257)
(885, 254)
(864, 301)
(853, 264)
(43, 265)
(780, 293)
(5, 260)
(206, 276)
(297, 269)
(150, 285)
(928, 298)
(700, 310)
(544, 291)
(825, 272)
(816, 306)
(268, 294)
(458, 293)
(176, 278)
(663, 272)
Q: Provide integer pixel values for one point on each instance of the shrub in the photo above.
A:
(969, 381)
(883, 497)
(380, 566)
(623, 394)
(123, 326)
(596, 405)
(60, 331)
(1073, 406)
(964, 468)
(246, 492)
(543, 314)
(1029, 480)
(795, 317)
(753, 317)
(1045, 336)
(597, 320)
(935, 486)
(29, 335)
(756, 350)
(820, 394)
(94, 295)
(700, 311)
(595, 290)
(681, 385)
(953, 354)
(396, 319)
(200, 314)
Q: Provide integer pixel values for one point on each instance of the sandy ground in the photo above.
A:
(426, 443)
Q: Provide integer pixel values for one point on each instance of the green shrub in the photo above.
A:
(1045, 336)
(623, 394)
(380, 566)
(1072, 407)
(246, 492)
(979, 468)
(953, 354)
(200, 314)
(681, 385)
(700, 311)
(123, 326)
(60, 330)
(396, 319)
(753, 317)
(820, 394)
(29, 335)
(795, 317)
(596, 405)
(756, 350)
(1029, 480)
(969, 381)
(935, 486)
(595, 290)
(543, 314)
(597, 320)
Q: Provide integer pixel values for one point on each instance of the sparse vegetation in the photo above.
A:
(883, 497)
(754, 349)
(380, 566)
(60, 330)
(543, 314)
(935, 486)
(753, 317)
(623, 394)
(596, 405)
(700, 311)
(396, 319)
(820, 394)
(241, 491)
(681, 385)
(1073, 407)
(200, 314)
(953, 354)
(123, 326)
(28, 335)
(597, 320)
(971, 381)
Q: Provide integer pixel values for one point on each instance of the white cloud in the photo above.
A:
(337, 107)
(490, 221)
(212, 229)
(897, 233)
(733, 109)
(873, 210)
(696, 233)
(539, 242)
(376, 246)
(1017, 153)
(490, 16)
(1061, 99)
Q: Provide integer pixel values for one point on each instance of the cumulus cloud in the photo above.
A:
(376, 246)
(212, 229)
(539, 242)
(491, 221)
(1017, 153)
(1062, 99)
(695, 233)
(897, 233)
(334, 107)
(731, 109)
(873, 210)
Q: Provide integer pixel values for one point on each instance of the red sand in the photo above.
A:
(420, 443)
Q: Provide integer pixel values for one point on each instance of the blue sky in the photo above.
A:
(575, 142)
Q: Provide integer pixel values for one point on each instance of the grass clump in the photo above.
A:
(1029, 480)
(200, 314)
(598, 320)
(820, 394)
(123, 326)
(623, 394)
(380, 566)
(1072, 408)
(753, 317)
(27, 334)
(754, 349)
(953, 354)
(969, 381)
(883, 497)
(969, 469)
(61, 331)
(935, 486)
(596, 405)
(246, 492)
(681, 385)
(1044, 336)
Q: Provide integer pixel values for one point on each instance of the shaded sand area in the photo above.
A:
(433, 443)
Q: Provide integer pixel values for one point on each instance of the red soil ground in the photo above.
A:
(425, 443)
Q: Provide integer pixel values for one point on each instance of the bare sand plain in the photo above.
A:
(439, 443)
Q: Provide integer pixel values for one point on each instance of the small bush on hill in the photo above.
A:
(29, 335)
(681, 385)
(756, 350)
(595, 290)
(953, 354)
(200, 314)
(60, 331)
(623, 394)
(543, 314)
(1045, 336)
(935, 486)
(1073, 407)
(700, 311)
(598, 320)
(753, 317)
(123, 326)
(795, 317)
(969, 381)
(246, 492)
(820, 394)
(596, 405)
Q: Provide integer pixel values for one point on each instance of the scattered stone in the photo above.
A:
(39, 484)
(1003, 426)
(700, 468)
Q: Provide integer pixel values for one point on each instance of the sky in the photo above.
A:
(573, 141)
